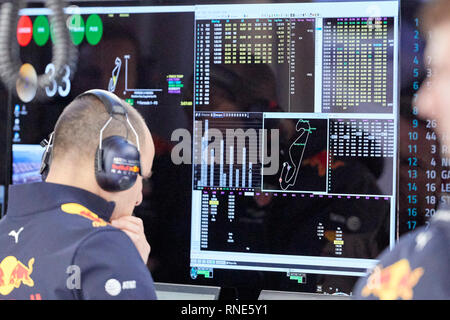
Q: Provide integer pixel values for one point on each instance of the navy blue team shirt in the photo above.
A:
(417, 268)
(56, 243)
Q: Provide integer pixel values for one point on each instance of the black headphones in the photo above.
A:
(117, 161)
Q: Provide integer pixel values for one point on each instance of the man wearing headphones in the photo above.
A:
(74, 236)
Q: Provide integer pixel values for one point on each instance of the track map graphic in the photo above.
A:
(303, 155)
(289, 172)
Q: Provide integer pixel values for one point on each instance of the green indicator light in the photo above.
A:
(76, 28)
(41, 30)
(130, 101)
(298, 278)
(94, 29)
(205, 273)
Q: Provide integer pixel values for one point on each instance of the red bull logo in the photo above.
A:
(121, 167)
(393, 282)
(14, 273)
(75, 208)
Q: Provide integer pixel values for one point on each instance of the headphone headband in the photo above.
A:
(117, 161)
(113, 106)
(111, 102)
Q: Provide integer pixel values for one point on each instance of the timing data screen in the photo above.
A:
(295, 137)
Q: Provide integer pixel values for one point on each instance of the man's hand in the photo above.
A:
(134, 228)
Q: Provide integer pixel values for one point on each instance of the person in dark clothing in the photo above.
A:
(71, 237)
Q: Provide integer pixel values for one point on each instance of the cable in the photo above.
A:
(64, 51)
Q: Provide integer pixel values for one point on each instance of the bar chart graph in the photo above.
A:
(226, 151)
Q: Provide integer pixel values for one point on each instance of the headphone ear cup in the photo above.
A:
(117, 164)
(45, 163)
(99, 172)
(46, 156)
(98, 160)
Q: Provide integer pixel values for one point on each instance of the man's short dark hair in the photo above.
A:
(77, 131)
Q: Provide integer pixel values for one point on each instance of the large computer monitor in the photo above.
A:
(284, 175)
(295, 137)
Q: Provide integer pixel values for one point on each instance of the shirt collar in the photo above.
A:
(29, 198)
